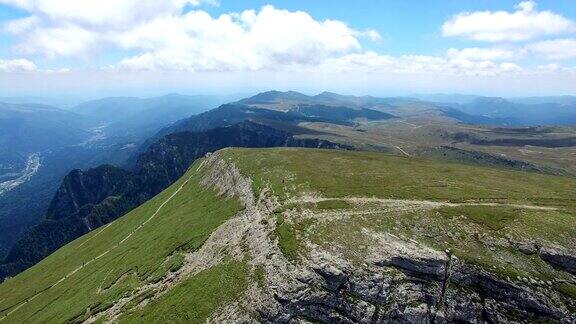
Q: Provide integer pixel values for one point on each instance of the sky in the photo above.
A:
(386, 47)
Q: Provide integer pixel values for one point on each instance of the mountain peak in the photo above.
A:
(327, 94)
(276, 96)
(490, 100)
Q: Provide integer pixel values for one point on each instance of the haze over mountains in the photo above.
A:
(123, 115)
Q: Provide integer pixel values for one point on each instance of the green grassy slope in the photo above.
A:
(338, 174)
(115, 259)
(466, 209)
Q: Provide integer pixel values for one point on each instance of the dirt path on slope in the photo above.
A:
(227, 180)
(402, 150)
(428, 204)
(87, 263)
(95, 235)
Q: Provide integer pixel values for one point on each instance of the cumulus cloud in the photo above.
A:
(68, 40)
(102, 13)
(17, 65)
(525, 23)
(557, 49)
(164, 37)
(72, 27)
(250, 40)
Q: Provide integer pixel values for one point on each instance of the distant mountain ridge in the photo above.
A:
(563, 100)
(146, 115)
(31, 127)
(229, 114)
(286, 100)
(521, 114)
(472, 109)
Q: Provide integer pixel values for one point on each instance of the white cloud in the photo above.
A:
(481, 54)
(526, 5)
(371, 34)
(525, 23)
(552, 67)
(102, 13)
(17, 65)
(74, 27)
(164, 38)
(58, 41)
(270, 38)
(557, 49)
(20, 26)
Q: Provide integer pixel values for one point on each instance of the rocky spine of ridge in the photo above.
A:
(89, 199)
(402, 281)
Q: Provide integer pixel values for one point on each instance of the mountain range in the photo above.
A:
(316, 208)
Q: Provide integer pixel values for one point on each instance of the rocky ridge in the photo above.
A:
(401, 281)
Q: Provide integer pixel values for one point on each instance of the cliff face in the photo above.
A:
(82, 189)
(89, 199)
(166, 160)
(84, 201)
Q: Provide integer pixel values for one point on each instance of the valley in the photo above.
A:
(33, 163)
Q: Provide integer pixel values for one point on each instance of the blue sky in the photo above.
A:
(98, 47)
(407, 26)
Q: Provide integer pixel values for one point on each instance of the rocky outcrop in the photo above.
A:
(414, 290)
(484, 159)
(559, 258)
